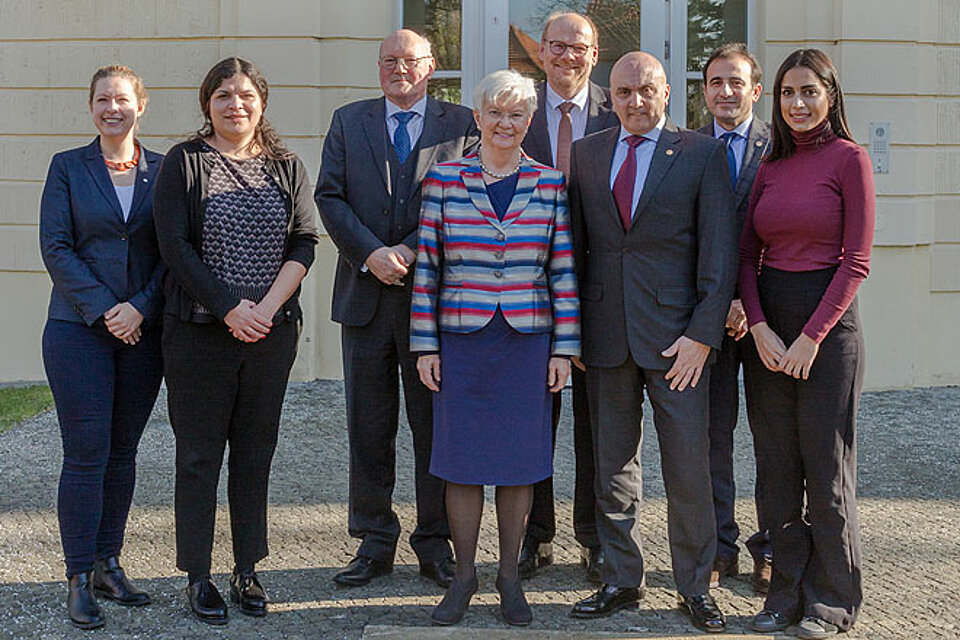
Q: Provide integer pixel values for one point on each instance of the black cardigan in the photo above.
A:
(178, 210)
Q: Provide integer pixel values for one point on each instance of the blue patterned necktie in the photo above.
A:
(728, 139)
(401, 137)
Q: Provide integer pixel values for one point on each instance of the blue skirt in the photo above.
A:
(492, 415)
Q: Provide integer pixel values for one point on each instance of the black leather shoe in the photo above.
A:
(769, 621)
(361, 570)
(455, 602)
(608, 599)
(110, 582)
(513, 604)
(440, 571)
(206, 603)
(592, 559)
(704, 613)
(534, 555)
(246, 591)
(82, 604)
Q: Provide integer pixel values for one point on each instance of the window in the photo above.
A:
(473, 38)
(440, 21)
(710, 23)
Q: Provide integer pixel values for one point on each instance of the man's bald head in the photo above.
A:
(405, 66)
(639, 91)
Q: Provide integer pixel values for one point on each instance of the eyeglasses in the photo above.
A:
(408, 63)
(559, 47)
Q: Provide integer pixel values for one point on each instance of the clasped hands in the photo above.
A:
(391, 264)
(795, 361)
(249, 321)
(123, 321)
(428, 366)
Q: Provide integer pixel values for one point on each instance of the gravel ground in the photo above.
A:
(909, 505)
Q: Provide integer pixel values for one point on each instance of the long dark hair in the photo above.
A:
(265, 137)
(819, 62)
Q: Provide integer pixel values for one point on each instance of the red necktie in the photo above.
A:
(564, 137)
(623, 185)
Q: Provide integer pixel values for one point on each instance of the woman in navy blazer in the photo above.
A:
(101, 343)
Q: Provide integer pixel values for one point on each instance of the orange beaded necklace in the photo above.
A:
(125, 166)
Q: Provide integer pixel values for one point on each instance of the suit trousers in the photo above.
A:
(376, 357)
(104, 391)
(724, 410)
(680, 418)
(223, 391)
(542, 525)
(806, 428)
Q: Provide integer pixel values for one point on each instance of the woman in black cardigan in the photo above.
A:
(235, 222)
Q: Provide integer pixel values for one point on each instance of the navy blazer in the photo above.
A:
(600, 116)
(94, 258)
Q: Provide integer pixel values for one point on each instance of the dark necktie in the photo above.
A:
(401, 137)
(728, 139)
(564, 137)
(623, 185)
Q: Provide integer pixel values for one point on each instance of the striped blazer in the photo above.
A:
(469, 262)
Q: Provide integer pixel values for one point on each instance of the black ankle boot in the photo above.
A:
(513, 604)
(110, 582)
(82, 604)
(455, 602)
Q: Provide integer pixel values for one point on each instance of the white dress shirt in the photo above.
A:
(578, 116)
(739, 143)
(414, 126)
(644, 155)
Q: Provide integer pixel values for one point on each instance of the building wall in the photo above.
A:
(900, 62)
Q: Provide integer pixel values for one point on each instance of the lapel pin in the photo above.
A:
(759, 143)
(669, 152)
(145, 180)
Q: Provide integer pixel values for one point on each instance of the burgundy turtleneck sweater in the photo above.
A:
(813, 210)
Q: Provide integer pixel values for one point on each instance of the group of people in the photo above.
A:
(554, 231)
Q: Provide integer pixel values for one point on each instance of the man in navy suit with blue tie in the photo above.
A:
(731, 86)
(375, 156)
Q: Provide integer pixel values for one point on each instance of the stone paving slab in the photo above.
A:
(376, 632)
(909, 508)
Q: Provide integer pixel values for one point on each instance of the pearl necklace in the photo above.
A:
(499, 176)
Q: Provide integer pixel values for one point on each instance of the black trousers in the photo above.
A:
(806, 428)
(222, 391)
(104, 392)
(680, 419)
(724, 410)
(542, 525)
(375, 357)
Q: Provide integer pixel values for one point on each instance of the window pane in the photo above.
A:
(697, 114)
(618, 22)
(447, 89)
(711, 23)
(439, 21)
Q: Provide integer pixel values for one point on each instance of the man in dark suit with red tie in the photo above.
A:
(569, 106)
(731, 86)
(654, 242)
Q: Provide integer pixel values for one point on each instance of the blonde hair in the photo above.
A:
(505, 87)
(119, 71)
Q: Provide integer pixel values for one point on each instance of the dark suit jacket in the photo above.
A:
(672, 274)
(600, 116)
(355, 197)
(758, 145)
(94, 258)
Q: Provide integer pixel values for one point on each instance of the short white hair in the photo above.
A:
(505, 87)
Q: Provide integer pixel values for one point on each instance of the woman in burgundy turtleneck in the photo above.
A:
(805, 250)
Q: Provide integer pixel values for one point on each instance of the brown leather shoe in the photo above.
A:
(762, 573)
(722, 568)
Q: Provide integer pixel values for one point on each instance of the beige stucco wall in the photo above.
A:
(900, 62)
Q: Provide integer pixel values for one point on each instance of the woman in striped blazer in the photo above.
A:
(494, 301)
